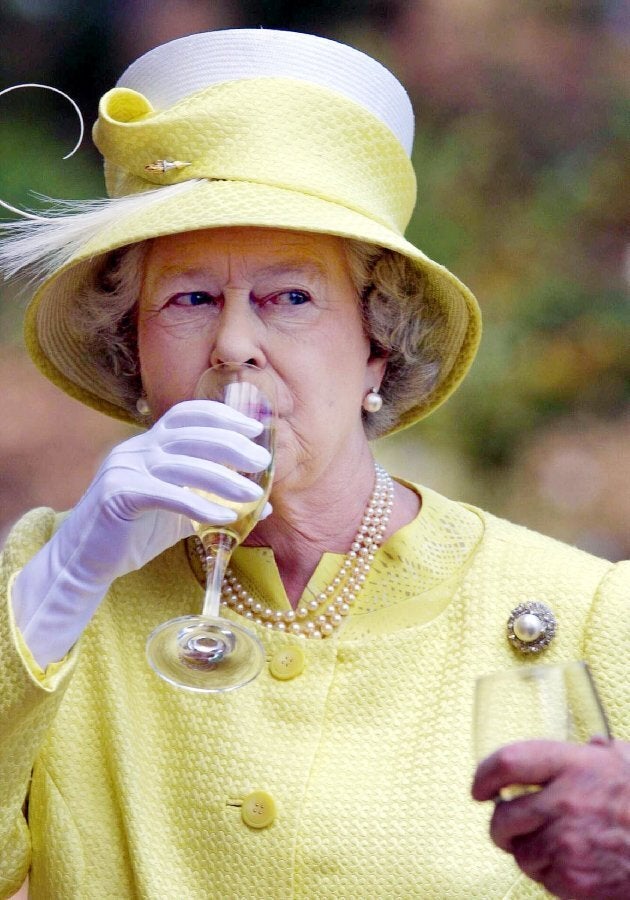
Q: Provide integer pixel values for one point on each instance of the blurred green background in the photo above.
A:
(521, 146)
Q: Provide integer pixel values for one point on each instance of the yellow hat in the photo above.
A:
(247, 128)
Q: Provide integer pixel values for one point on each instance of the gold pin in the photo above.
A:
(166, 165)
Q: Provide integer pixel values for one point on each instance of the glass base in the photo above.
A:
(205, 655)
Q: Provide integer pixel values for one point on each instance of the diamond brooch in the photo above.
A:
(531, 627)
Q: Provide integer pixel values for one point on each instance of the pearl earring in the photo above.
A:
(142, 405)
(373, 401)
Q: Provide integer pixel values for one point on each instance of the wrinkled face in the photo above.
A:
(281, 300)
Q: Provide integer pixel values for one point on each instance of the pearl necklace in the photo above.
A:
(319, 617)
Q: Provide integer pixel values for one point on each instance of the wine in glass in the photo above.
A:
(556, 702)
(208, 653)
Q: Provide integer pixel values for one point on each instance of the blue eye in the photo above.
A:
(297, 297)
(294, 297)
(193, 298)
(197, 298)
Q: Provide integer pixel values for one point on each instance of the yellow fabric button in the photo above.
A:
(287, 663)
(258, 809)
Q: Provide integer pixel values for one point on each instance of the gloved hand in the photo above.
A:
(134, 509)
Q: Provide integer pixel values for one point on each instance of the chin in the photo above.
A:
(280, 474)
(287, 468)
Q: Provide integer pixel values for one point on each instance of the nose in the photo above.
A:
(237, 338)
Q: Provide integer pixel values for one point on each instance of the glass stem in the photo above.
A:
(218, 548)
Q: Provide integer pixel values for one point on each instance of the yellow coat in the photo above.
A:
(367, 753)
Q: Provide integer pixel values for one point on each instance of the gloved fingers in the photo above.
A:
(200, 509)
(205, 476)
(209, 413)
(267, 510)
(218, 445)
(171, 498)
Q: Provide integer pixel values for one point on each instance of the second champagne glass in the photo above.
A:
(208, 653)
(555, 702)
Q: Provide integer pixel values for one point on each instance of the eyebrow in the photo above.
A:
(309, 267)
(289, 267)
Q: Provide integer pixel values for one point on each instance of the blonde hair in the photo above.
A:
(103, 323)
(402, 325)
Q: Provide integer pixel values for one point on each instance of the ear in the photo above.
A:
(375, 371)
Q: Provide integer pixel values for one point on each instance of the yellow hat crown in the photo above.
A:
(277, 132)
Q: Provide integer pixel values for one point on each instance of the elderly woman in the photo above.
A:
(261, 184)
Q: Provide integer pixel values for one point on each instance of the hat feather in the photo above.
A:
(40, 245)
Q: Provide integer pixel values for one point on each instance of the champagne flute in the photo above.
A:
(208, 653)
(556, 702)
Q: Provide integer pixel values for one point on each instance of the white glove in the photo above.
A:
(134, 509)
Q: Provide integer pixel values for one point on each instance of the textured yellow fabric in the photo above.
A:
(137, 789)
(206, 130)
(263, 152)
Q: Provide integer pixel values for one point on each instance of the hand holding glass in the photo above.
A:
(557, 702)
(207, 653)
